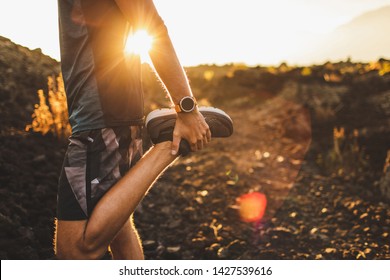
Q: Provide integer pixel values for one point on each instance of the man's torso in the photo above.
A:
(103, 88)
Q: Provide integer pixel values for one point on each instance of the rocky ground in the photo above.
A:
(309, 215)
(322, 186)
(192, 211)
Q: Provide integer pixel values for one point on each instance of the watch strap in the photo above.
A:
(177, 108)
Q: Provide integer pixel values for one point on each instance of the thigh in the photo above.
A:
(94, 162)
(68, 235)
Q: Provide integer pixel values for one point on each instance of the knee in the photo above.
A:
(71, 243)
(91, 249)
(79, 251)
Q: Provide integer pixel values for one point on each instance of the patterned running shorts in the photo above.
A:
(94, 161)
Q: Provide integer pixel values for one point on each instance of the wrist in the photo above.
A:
(185, 114)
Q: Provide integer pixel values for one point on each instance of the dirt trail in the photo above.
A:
(201, 220)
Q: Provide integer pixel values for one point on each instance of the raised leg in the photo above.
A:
(89, 239)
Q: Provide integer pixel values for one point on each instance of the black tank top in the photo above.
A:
(103, 86)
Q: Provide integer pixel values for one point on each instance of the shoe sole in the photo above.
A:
(220, 124)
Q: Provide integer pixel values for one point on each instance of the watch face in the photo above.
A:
(187, 104)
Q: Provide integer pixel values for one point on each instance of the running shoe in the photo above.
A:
(161, 122)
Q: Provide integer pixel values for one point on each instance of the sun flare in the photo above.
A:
(139, 43)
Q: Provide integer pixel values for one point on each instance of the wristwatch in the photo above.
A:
(186, 105)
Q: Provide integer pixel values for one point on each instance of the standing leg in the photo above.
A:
(127, 244)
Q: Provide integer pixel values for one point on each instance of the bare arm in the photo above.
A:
(190, 126)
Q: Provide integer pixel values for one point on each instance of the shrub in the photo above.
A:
(51, 114)
(346, 157)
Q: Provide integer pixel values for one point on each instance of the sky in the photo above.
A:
(207, 31)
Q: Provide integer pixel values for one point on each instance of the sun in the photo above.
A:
(139, 43)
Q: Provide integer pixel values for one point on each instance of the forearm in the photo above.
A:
(168, 68)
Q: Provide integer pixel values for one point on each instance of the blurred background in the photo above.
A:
(306, 174)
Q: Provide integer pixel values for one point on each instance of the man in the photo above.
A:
(100, 185)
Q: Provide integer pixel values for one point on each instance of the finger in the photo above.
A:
(200, 144)
(175, 144)
(205, 140)
(194, 146)
(208, 135)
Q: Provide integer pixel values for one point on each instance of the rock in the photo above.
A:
(283, 232)
(172, 252)
(212, 251)
(235, 249)
(215, 246)
(330, 250)
(223, 252)
(175, 224)
(199, 243)
(39, 159)
(173, 249)
(27, 233)
(149, 244)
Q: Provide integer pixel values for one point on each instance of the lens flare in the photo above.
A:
(252, 206)
(139, 43)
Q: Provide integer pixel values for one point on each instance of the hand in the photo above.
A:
(193, 128)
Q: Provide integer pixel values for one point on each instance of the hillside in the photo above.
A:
(22, 73)
(314, 140)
